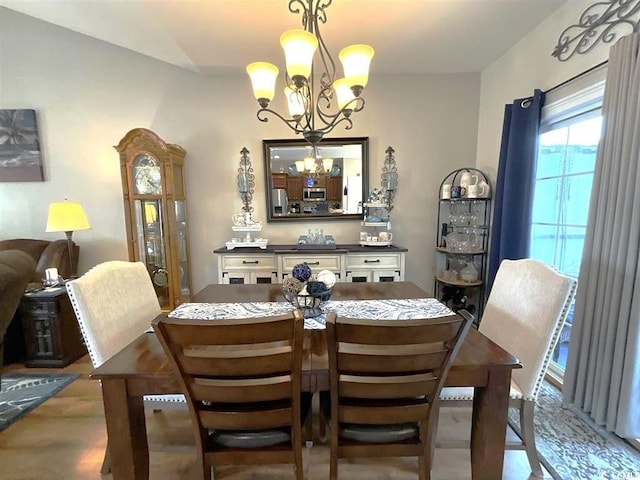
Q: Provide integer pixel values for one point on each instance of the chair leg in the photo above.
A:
(322, 426)
(297, 457)
(106, 462)
(427, 434)
(206, 470)
(333, 455)
(529, 437)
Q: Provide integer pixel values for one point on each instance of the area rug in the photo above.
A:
(22, 393)
(572, 447)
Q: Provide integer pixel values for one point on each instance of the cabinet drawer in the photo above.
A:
(36, 307)
(228, 262)
(374, 260)
(316, 262)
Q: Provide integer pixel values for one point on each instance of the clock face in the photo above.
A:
(160, 277)
(147, 177)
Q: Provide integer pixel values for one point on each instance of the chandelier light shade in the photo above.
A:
(355, 62)
(299, 47)
(316, 103)
(263, 78)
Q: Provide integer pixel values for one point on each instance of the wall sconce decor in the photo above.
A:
(313, 106)
(246, 180)
(243, 221)
(604, 22)
(389, 177)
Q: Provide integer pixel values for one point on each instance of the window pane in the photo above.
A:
(577, 194)
(543, 240)
(546, 202)
(551, 152)
(570, 243)
(583, 145)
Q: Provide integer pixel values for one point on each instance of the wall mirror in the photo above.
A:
(328, 184)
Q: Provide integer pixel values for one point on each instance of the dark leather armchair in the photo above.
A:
(16, 270)
(45, 253)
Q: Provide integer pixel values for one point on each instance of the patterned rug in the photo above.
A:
(22, 393)
(572, 447)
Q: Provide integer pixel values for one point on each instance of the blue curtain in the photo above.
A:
(513, 196)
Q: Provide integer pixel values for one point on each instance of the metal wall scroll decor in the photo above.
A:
(389, 177)
(604, 22)
(246, 180)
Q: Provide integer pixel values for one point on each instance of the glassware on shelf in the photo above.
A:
(315, 236)
(469, 273)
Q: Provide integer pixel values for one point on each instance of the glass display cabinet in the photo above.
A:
(156, 213)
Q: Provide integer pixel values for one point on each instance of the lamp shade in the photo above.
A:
(327, 163)
(295, 101)
(299, 47)
(308, 163)
(299, 166)
(66, 217)
(355, 63)
(263, 79)
(343, 92)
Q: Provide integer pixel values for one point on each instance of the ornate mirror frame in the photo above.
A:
(342, 189)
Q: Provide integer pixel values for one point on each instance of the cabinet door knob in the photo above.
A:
(313, 263)
(255, 262)
(372, 261)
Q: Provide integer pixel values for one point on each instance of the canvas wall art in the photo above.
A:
(20, 156)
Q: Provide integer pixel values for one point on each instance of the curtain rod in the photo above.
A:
(577, 76)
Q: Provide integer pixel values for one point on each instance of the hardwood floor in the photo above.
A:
(65, 437)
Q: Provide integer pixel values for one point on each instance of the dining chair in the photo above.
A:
(524, 314)
(385, 377)
(114, 303)
(242, 381)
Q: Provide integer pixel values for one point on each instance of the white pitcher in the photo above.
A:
(467, 179)
(484, 191)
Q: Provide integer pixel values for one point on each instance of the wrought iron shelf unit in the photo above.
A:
(462, 240)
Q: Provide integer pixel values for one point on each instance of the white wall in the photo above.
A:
(88, 94)
(526, 66)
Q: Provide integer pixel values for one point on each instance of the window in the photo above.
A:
(567, 149)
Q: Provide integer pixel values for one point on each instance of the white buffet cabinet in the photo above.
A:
(350, 263)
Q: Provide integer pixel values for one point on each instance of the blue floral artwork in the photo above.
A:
(20, 156)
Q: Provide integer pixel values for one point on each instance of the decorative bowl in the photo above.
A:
(310, 304)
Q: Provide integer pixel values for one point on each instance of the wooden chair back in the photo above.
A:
(386, 372)
(239, 375)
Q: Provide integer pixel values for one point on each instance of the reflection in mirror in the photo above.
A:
(328, 184)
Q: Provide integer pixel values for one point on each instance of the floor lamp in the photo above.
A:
(67, 217)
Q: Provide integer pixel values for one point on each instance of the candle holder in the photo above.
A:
(389, 178)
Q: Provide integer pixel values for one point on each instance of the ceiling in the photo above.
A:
(223, 36)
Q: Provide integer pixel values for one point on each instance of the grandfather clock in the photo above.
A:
(156, 212)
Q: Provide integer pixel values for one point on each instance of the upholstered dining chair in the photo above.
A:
(524, 314)
(242, 379)
(385, 377)
(114, 303)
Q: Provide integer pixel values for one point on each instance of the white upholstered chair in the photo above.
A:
(524, 314)
(115, 303)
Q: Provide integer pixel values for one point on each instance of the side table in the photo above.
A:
(50, 329)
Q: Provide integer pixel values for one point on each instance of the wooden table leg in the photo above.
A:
(489, 426)
(127, 432)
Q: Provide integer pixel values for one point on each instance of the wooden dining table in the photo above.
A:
(142, 368)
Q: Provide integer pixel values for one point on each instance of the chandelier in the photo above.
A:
(316, 106)
(314, 166)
